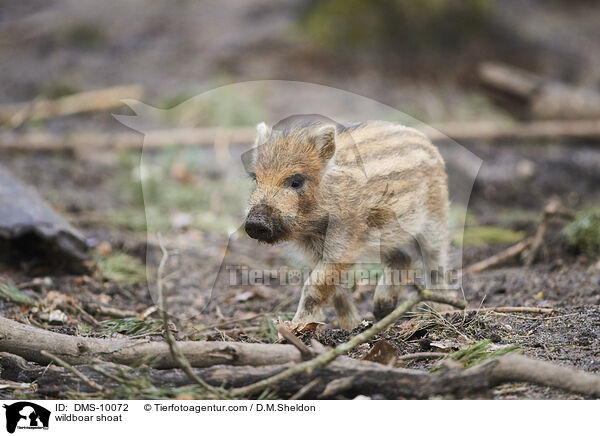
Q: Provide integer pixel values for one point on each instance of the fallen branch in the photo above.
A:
(423, 355)
(208, 136)
(533, 96)
(498, 258)
(504, 309)
(16, 338)
(328, 356)
(324, 358)
(529, 246)
(304, 390)
(98, 100)
(362, 378)
(306, 352)
(74, 370)
(516, 368)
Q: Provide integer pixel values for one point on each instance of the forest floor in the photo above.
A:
(101, 195)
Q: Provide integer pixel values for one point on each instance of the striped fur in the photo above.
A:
(373, 188)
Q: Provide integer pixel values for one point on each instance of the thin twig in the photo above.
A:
(327, 357)
(437, 297)
(306, 389)
(176, 353)
(74, 370)
(423, 355)
(324, 358)
(306, 352)
(504, 309)
(86, 316)
(498, 258)
(229, 322)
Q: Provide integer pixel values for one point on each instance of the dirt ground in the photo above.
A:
(89, 192)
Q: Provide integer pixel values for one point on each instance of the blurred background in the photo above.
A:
(515, 81)
(422, 56)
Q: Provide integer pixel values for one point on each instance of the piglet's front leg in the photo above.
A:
(318, 291)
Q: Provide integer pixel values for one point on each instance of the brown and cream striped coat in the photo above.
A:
(343, 194)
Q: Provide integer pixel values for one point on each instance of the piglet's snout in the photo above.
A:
(259, 224)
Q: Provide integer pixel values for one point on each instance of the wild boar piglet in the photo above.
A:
(344, 193)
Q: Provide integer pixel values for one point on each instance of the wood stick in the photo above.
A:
(423, 355)
(97, 100)
(205, 136)
(324, 358)
(306, 389)
(366, 378)
(328, 356)
(221, 324)
(533, 96)
(498, 258)
(16, 338)
(306, 352)
(176, 353)
(517, 368)
(74, 370)
(504, 309)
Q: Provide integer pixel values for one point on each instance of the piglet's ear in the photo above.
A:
(324, 140)
(262, 133)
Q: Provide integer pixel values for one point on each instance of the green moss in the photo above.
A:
(213, 200)
(121, 267)
(130, 326)
(477, 353)
(10, 293)
(482, 235)
(393, 24)
(81, 35)
(583, 232)
(220, 108)
(57, 89)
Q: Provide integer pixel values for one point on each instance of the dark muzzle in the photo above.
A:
(261, 224)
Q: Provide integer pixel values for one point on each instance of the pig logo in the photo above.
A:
(205, 131)
(26, 415)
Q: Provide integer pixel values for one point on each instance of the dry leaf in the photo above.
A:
(104, 248)
(299, 329)
(382, 352)
(309, 327)
(180, 172)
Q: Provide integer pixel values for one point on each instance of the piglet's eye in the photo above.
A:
(252, 176)
(297, 181)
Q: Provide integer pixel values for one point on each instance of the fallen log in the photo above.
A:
(28, 225)
(534, 97)
(360, 378)
(16, 338)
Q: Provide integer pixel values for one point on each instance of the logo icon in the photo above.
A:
(26, 415)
